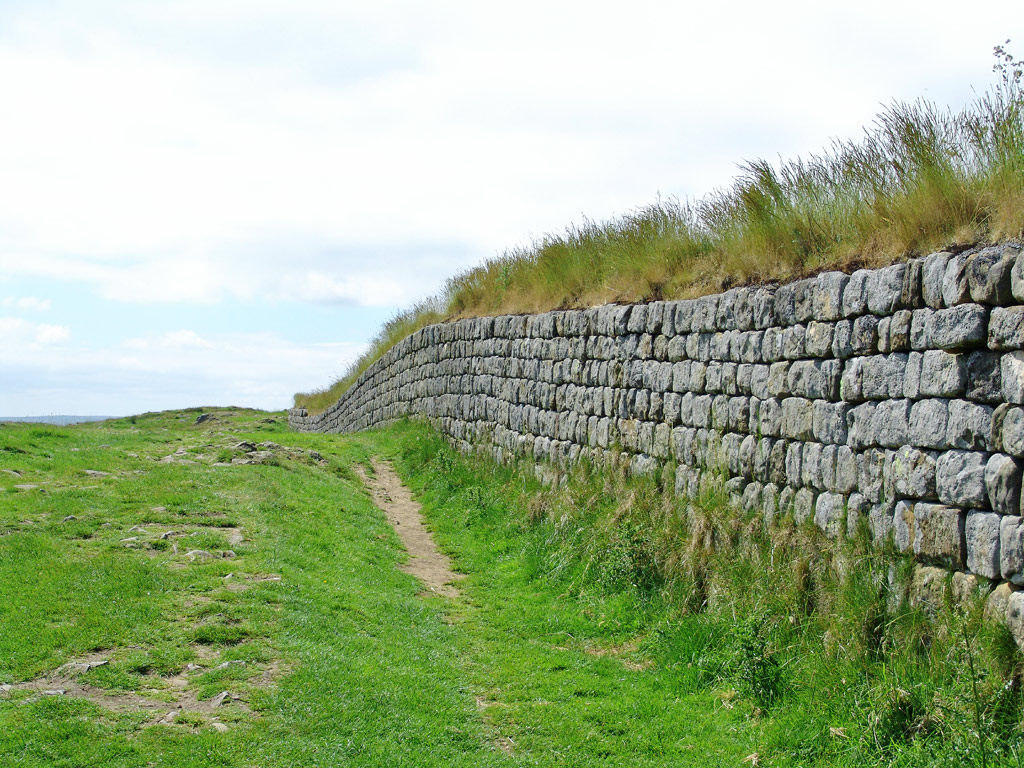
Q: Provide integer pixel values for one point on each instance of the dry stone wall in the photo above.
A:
(892, 396)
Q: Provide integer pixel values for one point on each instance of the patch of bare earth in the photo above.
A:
(426, 561)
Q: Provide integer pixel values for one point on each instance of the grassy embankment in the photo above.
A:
(596, 624)
(923, 178)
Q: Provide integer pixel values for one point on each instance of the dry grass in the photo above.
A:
(921, 179)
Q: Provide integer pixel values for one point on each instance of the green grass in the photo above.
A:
(922, 178)
(596, 624)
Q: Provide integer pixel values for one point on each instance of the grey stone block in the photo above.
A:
(1006, 328)
(928, 423)
(885, 289)
(914, 473)
(794, 464)
(828, 295)
(851, 384)
(855, 294)
(846, 469)
(830, 422)
(960, 479)
(818, 339)
(982, 537)
(883, 335)
(861, 426)
(842, 339)
(856, 510)
(793, 342)
(984, 377)
(945, 375)
(763, 308)
(988, 275)
(810, 466)
(808, 378)
(955, 288)
(864, 335)
(932, 276)
(899, 330)
(912, 296)
(960, 327)
(939, 533)
(770, 417)
(912, 375)
(1003, 475)
(829, 514)
(797, 419)
(771, 345)
(778, 379)
(1011, 549)
(1008, 430)
(1012, 375)
(903, 526)
(870, 469)
(892, 423)
(920, 329)
(969, 425)
(803, 505)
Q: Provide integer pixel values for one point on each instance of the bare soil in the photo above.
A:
(426, 561)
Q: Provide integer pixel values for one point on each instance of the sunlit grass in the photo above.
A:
(921, 179)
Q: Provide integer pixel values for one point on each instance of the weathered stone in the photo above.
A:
(920, 322)
(864, 335)
(818, 339)
(851, 385)
(793, 342)
(998, 603)
(1006, 328)
(846, 469)
(912, 375)
(932, 276)
(984, 377)
(960, 479)
(830, 422)
(1011, 549)
(1008, 430)
(797, 419)
(829, 513)
(969, 425)
(828, 295)
(944, 374)
(960, 327)
(1012, 375)
(939, 533)
(912, 296)
(870, 468)
(914, 473)
(982, 536)
(861, 426)
(955, 288)
(903, 526)
(842, 339)
(885, 289)
(803, 505)
(1015, 617)
(1003, 475)
(928, 423)
(855, 294)
(810, 466)
(883, 335)
(899, 330)
(892, 423)
(988, 275)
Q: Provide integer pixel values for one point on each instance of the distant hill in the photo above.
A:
(58, 420)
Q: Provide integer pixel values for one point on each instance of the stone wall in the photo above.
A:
(891, 396)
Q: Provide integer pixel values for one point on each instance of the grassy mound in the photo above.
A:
(922, 178)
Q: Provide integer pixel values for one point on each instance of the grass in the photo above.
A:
(601, 622)
(922, 178)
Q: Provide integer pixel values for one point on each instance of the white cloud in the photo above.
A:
(26, 303)
(18, 334)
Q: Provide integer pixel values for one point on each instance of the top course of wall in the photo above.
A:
(891, 396)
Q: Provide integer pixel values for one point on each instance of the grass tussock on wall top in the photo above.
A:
(923, 178)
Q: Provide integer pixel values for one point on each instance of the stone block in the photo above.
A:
(861, 426)
(932, 274)
(810, 466)
(899, 330)
(982, 536)
(939, 533)
(1006, 328)
(794, 464)
(912, 296)
(1011, 549)
(829, 514)
(988, 275)
(1012, 376)
(803, 505)
(762, 307)
(797, 419)
(818, 339)
(1003, 475)
(830, 422)
(912, 375)
(828, 296)
(883, 335)
(885, 289)
(856, 511)
(793, 342)
(920, 321)
(961, 327)
(928, 423)
(1008, 430)
(778, 379)
(870, 470)
(842, 339)
(903, 526)
(846, 469)
(960, 479)
(945, 375)
(914, 473)
(969, 425)
(984, 377)
(892, 423)
(955, 288)
(864, 335)
(855, 294)
(851, 384)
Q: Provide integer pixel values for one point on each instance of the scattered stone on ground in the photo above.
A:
(95, 473)
(69, 518)
(203, 417)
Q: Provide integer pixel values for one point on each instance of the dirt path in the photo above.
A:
(426, 561)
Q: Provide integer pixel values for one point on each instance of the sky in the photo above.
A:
(219, 202)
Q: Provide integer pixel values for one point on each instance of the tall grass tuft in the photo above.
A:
(923, 177)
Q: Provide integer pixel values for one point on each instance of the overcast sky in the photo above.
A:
(219, 202)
